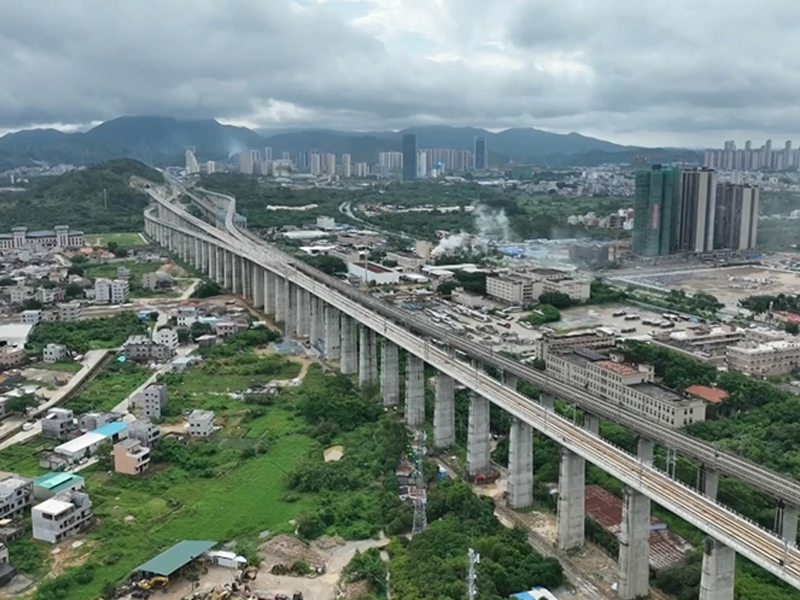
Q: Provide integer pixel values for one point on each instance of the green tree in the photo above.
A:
(558, 299)
(20, 405)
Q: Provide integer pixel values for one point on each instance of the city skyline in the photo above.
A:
(520, 63)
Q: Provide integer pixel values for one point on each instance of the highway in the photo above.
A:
(747, 538)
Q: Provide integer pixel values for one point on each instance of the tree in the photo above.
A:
(73, 290)
(557, 299)
(7, 281)
(792, 328)
(32, 304)
(120, 252)
(78, 259)
(104, 456)
(207, 289)
(21, 404)
(75, 270)
(539, 364)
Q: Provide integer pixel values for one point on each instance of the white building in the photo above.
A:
(330, 164)
(11, 356)
(201, 423)
(69, 311)
(522, 287)
(166, 336)
(86, 445)
(61, 236)
(61, 516)
(373, 273)
(31, 317)
(192, 166)
(151, 401)
(58, 423)
(111, 291)
(764, 359)
(19, 294)
(326, 222)
(142, 348)
(16, 495)
(144, 430)
(53, 353)
(346, 165)
(632, 387)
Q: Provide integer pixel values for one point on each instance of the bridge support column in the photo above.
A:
(367, 357)
(717, 576)
(634, 546)
(415, 391)
(644, 450)
(786, 522)
(510, 381)
(198, 258)
(211, 262)
(444, 412)
(290, 320)
(227, 272)
(571, 513)
(708, 481)
(313, 329)
(520, 465)
(281, 299)
(247, 282)
(270, 295)
(333, 340)
(303, 311)
(258, 286)
(478, 458)
(547, 400)
(349, 363)
(390, 373)
(318, 321)
(591, 423)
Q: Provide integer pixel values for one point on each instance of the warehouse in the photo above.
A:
(171, 560)
(86, 445)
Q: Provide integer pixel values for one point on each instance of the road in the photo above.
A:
(12, 424)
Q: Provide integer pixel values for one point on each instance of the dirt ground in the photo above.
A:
(66, 555)
(728, 285)
(578, 317)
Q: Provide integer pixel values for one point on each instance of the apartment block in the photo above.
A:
(16, 495)
(167, 337)
(31, 317)
(53, 353)
(201, 423)
(111, 291)
(58, 423)
(632, 387)
(61, 516)
(764, 359)
(144, 430)
(69, 311)
(521, 287)
(151, 401)
(142, 348)
(131, 457)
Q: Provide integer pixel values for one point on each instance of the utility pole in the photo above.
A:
(472, 575)
(421, 498)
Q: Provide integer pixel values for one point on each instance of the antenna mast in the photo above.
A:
(472, 575)
(421, 497)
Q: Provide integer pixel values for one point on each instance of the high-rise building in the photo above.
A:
(696, 211)
(302, 160)
(267, 153)
(246, 163)
(211, 167)
(362, 170)
(655, 205)
(392, 161)
(410, 156)
(346, 166)
(330, 164)
(316, 163)
(736, 221)
(422, 165)
(481, 154)
(192, 166)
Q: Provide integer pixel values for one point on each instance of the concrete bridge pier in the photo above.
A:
(547, 400)
(510, 381)
(227, 272)
(390, 373)
(571, 512)
(634, 546)
(236, 274)
(281, 299)
(444, 412)
(415, 391)
(349, 362)
(478, 457)
(591, 423)
(270, 295)
(708, 481)
(303, 311)
(257, 282)
(520, 465)
(219, 269)
(290, 318)
(367, 357)
(333, 340)
(786, 522)
(717, 576)
(645, 450)
(315, 320)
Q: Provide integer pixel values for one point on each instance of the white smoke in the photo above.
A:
(489, 225)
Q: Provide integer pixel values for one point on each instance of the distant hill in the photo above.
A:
(77, 199)
(162, 141)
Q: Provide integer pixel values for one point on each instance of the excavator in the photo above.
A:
(148, 584)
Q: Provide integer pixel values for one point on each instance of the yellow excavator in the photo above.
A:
(149, 584)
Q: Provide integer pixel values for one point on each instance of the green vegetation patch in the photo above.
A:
(91, 334)
(121, 239)
(111, 386)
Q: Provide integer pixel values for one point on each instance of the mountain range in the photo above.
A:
(161, 141)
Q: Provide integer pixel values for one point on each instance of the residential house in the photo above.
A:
(61, 516)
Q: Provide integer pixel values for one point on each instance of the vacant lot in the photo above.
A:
(728, 285)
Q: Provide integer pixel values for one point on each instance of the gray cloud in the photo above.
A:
(668, 72)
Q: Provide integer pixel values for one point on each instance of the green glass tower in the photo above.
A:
(655, 210)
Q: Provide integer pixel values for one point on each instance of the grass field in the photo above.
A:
(110, 387)
(123, 239)
(23, 458)
(64, 367)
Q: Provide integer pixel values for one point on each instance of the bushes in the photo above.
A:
(545, 313)
(80, 336)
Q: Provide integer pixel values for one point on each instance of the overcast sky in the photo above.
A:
(677, 72)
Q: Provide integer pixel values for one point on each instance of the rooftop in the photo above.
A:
(657, 392)
(53, 480)
(173, 559)
(53, 506)
(110, 429)
(706, 393)
(10, 484)
(616, 367)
